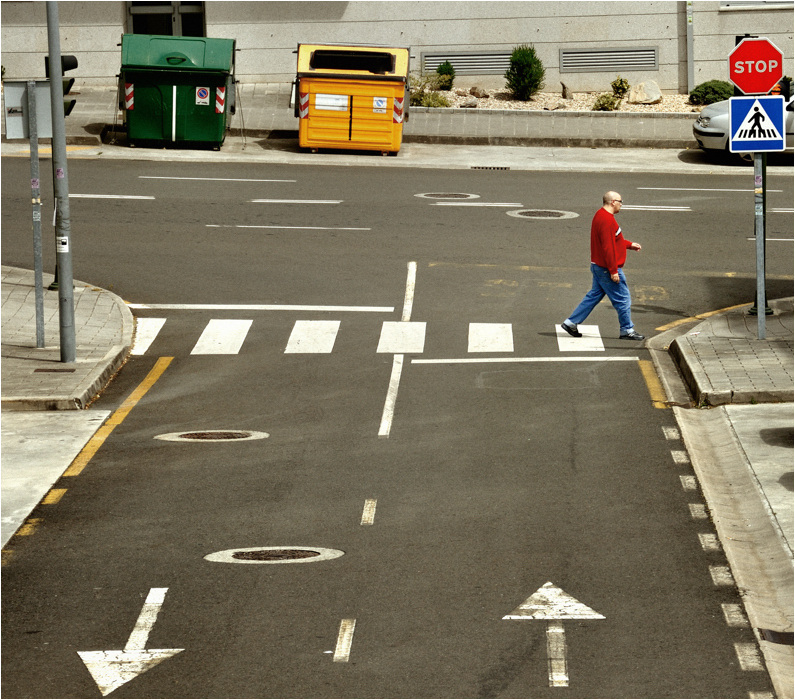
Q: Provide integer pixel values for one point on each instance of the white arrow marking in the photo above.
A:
(554, 605)
(111, 669)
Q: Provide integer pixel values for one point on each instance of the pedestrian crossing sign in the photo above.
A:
(756, 124)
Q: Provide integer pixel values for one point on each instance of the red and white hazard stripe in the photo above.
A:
(397, 110)
(129, 100)
(303, 105)
(220, 99)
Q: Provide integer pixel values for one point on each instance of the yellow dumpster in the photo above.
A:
(351, 97)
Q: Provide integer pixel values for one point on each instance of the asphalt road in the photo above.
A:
(456, 481)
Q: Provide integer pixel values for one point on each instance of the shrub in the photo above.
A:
(423, 91)
(446, 74)
(620, 87)
(711, 91)
(606, 103)
(525, 75)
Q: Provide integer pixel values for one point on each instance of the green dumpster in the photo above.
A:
(176, 90)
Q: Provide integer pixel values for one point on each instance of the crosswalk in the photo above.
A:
(228, 337)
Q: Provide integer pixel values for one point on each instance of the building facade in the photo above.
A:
(582, 43)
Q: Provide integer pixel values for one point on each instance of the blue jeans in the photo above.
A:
(617, 292)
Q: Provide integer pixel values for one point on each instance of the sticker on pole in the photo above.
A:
(756, 124)
(202, 96)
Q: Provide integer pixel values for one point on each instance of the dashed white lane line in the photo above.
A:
(749, 657)
(698, 511)
(709, 542)
(291, 228)
(312, 337)
(388, 413)
(210, 179)
(490, 337)
(296, 201)
(222, 337)
(591, 340)
(734, 615)
(146, 330)
(476, 204)
(721, 575)
(342, 651)
(680, 457)
(110, 196)
(487, 360)
(368, 513)
(671, 433)
(689, 483)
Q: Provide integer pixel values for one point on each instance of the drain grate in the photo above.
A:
(543, 214)
(275, 554)
(489, 167)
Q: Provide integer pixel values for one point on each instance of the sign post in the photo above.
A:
(756, 124)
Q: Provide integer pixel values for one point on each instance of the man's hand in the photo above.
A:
(635, 246)
(615, 278)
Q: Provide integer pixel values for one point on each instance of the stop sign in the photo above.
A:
(755, 66)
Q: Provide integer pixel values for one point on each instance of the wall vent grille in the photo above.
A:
(608, 60)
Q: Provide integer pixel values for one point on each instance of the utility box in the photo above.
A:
(352, 96)
(176, 90)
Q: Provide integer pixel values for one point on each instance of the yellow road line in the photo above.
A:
(653, 384)
(118, 416)
(698, 317)
(29, 527)
(53, 497)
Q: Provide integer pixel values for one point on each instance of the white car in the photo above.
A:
(711, 129)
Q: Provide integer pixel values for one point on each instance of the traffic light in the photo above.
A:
(67, 63)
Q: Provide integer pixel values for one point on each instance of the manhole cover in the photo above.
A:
(543, 214)
(212, 436)
(448, 195)
(274, 555)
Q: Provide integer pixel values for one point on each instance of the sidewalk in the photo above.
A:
(741, 449)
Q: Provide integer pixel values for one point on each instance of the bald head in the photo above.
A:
(612, 202)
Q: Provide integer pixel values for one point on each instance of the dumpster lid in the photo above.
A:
(353, 60)
(176, 52)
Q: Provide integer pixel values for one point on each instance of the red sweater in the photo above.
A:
(608, 247)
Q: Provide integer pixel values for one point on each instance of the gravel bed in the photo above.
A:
(580, 102)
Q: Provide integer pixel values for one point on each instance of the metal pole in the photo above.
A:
(63, 244)
(35, 190)
(691, 79)
(759, 231)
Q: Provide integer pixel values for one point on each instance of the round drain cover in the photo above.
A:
(212, 436)
(542, 214)
(447, 195)
(274, 555)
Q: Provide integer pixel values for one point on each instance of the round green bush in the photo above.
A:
(711, 91)
(606, 103)
(620, 87)
(525, 74)
(446, 74)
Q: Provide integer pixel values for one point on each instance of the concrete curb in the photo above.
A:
(759, 560)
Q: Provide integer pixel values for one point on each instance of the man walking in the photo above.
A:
(608, 254)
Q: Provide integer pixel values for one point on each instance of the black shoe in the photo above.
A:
(632, 335)
(571, 330)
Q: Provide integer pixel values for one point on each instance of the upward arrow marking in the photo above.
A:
(111, 669)
(551, 603)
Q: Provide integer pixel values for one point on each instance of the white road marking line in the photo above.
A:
(342, 651)
(368, 514)
(391, 397)
(721, 575)
(709, 542)
(291, 228)
(402, 337)
(671, 433)
(296, 201)
(146, 620)
(222, 337)
(689, 483)
(591, 340)
(781, 210)
(761, 695)
(783, 240)
(312, 337)
(698, 511)
(110, 196)
(651, 207)
(700, 189)
(734, 614)
(211, 179)
(146, 330)
(476, 204)
(261, 307)
(749, 657)
(490, 337)
(408, 298)
(556, 654)
(476, 360)
(680, 457)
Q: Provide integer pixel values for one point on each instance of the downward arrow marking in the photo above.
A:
(111, 669)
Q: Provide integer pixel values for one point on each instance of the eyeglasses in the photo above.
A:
(620, 201)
